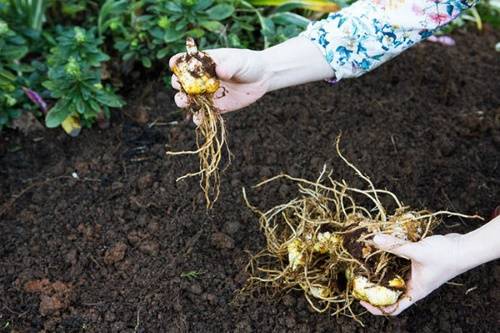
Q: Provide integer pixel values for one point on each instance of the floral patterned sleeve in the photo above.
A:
(368, 33)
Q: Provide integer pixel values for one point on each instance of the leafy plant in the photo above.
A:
(191, 275)
(75, 80)
(25, 16)
(12, 49)
(149, 30)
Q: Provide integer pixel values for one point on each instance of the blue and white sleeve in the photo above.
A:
(368, 33)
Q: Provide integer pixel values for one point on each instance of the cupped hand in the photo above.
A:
(243, 77)
(434, 261)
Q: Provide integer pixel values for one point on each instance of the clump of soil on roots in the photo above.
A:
(196, 73)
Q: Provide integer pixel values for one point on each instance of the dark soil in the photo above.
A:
(115, 250)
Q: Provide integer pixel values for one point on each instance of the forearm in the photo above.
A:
(368, 33)
(480, 246)
(294, 62)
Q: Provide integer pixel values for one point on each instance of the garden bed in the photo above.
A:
(125, 248)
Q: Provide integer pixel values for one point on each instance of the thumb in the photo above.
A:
(400, 247)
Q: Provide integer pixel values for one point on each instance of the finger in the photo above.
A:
(175, 83)
(181, 100)
(397, 246)
(173, 59)
(392, 310)
(372, 309)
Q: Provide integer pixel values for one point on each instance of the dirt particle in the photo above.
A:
(115, 254)
(140, 114)
(117, 186)
(145, 181)
(222, 241)
(196, 289)
(37, 286)
(109, 316)
(243, 327)
(53, 296)
(289, 300)
(136, 236)
(290, 322)
(118, 326)
(86, 230)
(71, 257)
(211, 298)
(232, 227)
(150, 247)
(82, 167)
(153, 227)
(50, 304)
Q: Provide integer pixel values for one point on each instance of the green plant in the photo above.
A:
(191, 275)
(75, 80)
(24, 16)
(153, 29)
(487, 11)
(12, 49)
(149, 30)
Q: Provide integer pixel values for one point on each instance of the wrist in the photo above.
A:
(293, 62)
(479, 246)
(462, 260)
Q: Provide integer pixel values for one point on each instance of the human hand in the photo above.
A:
(434, 261)
(243, 77)
(247, 75)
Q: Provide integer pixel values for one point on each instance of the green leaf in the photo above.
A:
(14, 113)
(57, 114)
(220, 11)
(162, 53)
(157, 33)
(80, 105)
(290, 18)
(3, 119)
(146, 62)
(109, 99)
(233, 40)
(14, 53)
(213, 26)
(7, 75)
(128, 56)
(267, 26)
(173, 7)
(171, 35)
(202, 5)
(196, 33)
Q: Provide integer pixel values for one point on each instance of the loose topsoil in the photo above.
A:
(124, 248)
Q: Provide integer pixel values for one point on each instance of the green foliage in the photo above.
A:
(75, 79)
(487, 11)
(12, 49)
(26, 17)
(149, 30)
(191, 275)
